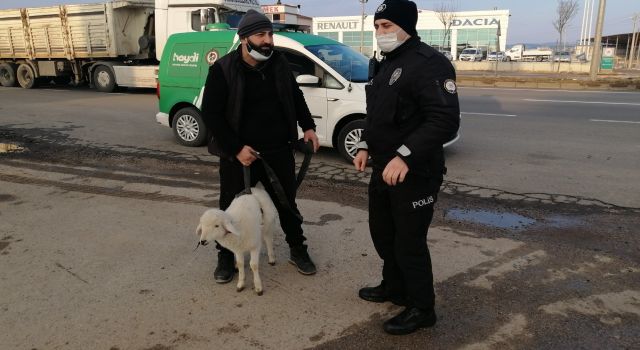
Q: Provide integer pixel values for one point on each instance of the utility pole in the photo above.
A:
(633, 42)
(362, 27)
(597, 47)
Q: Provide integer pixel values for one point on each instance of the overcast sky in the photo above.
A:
(529, 23)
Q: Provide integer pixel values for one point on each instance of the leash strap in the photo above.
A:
(277, 187)
(307, 149)
(246, 172)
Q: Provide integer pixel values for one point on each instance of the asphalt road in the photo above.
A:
(534, 242)
(582, 144)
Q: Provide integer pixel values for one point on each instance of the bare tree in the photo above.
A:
(446, 13)
(567, 9)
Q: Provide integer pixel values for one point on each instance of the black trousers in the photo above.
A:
(283, 164)
(399, 218)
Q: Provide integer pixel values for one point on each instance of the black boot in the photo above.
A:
(300, 258)
(380, 294)
(226, 268)
(410, 320)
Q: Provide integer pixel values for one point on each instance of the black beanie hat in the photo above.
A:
(253, 22)
(404, 13)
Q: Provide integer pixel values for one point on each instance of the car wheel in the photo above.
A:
(188, 127)
(104, 80)
(8, 74)
(26, 76)
(349, 137)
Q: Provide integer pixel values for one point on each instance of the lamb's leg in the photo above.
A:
(254, 263)
(240, 264)
(268, 241)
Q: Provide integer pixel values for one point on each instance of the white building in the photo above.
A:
(468, 29)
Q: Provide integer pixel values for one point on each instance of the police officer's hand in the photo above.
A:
(395, 171)
(360, 161)
(310, 135)
(245, 156)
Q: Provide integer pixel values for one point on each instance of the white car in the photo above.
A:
(470, 54)
(496, 56)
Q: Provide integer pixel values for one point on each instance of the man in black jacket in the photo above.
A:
(251, 105)
(412, 110)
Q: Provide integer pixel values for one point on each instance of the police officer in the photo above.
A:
(412, 110)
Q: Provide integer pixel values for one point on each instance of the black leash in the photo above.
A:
(307, 149)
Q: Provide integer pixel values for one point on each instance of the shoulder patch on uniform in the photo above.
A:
(450, 86)
(395, 76)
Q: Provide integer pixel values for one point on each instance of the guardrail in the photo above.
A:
(538, 67)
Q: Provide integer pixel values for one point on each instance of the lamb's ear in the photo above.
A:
(228, 226)
(199, 230)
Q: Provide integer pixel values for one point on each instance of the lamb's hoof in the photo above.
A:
(239, 289)
(259, 292)
(272, 263)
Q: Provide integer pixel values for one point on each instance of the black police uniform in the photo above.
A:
(412, 110)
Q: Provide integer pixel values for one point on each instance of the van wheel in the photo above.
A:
(8, 74)
(348, 137)
(189, 128)
(26, 76)
(104, 80)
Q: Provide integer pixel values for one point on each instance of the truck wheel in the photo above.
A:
(348, 137)
(8, 74)
(189, 128)
(539, 58)
(104, 80)
(26, 76)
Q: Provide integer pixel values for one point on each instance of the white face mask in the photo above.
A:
(388, 42)
(256, 54)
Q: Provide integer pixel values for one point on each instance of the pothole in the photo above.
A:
(10, 148)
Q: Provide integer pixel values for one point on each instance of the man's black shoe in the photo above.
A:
(300, 258)
(410, 320)
(379, 294)
(226, 268)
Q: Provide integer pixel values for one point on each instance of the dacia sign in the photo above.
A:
(474, 22)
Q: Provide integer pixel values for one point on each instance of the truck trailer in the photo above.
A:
(520, 53)
(109, 44)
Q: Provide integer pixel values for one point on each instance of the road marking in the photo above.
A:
(547, 90)
(490, 114)
(585, 102)
(613, 121)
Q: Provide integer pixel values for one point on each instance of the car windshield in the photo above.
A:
(469, 51)
(348, 62)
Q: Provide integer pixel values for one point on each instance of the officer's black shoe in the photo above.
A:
(379, 294)
(410, 320)
(300, 258)
(226, 268)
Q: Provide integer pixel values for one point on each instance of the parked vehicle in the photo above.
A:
(447, 54)
(109, 44)
(496, 56)
(331, 75)
(564, 56)
(471, 54)
(520, 53)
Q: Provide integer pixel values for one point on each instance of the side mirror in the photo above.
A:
(308, 80)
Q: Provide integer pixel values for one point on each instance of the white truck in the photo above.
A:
(109, 44)
(520, 53)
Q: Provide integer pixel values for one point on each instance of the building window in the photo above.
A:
(484, 38)
(331, 35)
(355, 38)
(436, 38)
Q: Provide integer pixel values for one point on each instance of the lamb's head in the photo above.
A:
(214, 226)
